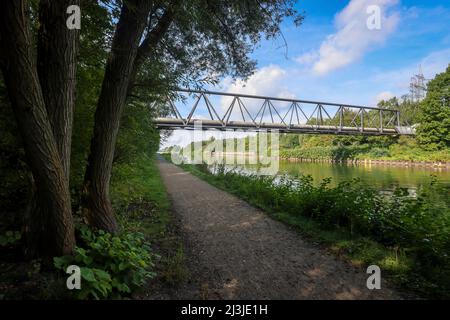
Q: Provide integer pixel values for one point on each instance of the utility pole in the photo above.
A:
(417, 86)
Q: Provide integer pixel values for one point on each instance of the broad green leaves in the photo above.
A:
(110, 264)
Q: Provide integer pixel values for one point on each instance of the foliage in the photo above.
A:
(334, 148)
(138, 134)
(434, 130)
(111, 265)
(418, 229)
(94, 41)
(210, 39)
(140, 198)
(9, 238)
(409, 110)
(14, 173)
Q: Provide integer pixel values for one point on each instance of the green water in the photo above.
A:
(381, 177)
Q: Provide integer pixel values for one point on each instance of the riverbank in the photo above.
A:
(369, 162)
(405, 237)
(395, 151)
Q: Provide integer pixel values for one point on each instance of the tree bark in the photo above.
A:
(151, 41)
(95, 200)
(19, 69)
(57, 50)
(57, 53)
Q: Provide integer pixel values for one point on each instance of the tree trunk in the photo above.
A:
(21, 79)
(96, 202)
(57, 52)
(151, 41)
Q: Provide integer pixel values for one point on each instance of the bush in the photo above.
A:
(379, 153)
(111, 265)
(10, 238)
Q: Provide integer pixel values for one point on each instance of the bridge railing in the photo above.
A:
(224, 111)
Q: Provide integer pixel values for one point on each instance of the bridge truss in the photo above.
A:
(257, 113)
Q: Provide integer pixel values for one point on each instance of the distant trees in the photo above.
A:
(289, 140)
(434, 130)
(409, 110)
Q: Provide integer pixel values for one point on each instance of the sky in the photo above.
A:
(340, 54)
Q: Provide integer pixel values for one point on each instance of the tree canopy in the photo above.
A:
(434, 129)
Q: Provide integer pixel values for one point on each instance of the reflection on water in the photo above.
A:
(378, 176)
(383, 178)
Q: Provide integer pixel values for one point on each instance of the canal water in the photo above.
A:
(380, 177)
(383, 177)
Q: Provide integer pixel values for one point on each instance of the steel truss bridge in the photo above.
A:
(257, 113)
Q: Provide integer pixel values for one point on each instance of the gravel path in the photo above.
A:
(235, 251)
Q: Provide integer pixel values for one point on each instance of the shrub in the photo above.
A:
(10, 238)
(111, 265)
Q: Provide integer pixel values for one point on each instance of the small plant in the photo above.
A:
(9, 238)
(111, 265)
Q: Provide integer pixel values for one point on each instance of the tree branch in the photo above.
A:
(152, 39)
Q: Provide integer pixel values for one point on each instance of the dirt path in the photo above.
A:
(236, 251)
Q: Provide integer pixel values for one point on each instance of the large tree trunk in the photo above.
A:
(21, 79)
(56, 62)
(96, 202)
(57, 53)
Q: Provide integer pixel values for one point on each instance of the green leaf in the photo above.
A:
(123, 266)
(62, 262)
(102, 275)
(87, 274)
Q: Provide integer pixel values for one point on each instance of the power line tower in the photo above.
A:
(417, 86)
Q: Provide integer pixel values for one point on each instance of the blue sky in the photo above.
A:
(334, 57)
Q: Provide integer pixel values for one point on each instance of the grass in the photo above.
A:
(140, 198)
(412, 253)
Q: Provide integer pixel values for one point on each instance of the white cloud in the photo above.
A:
(385, 95)
(353, 38)
(268, 81)
(265, 81)
(307, 58)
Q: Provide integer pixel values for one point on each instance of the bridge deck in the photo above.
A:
(300, 116)
(172, 124)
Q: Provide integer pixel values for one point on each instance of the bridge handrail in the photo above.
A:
(241, 95)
